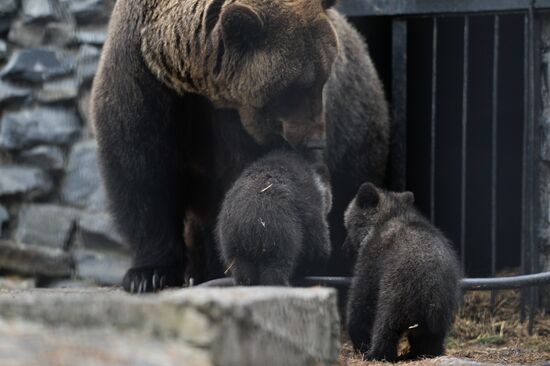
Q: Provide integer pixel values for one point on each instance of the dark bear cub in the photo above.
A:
(406, 277)
(272, 224)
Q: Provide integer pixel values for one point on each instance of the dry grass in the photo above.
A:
(482, 335)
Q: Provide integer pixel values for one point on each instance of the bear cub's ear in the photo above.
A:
(367, 196)
(328, 3)
(242, 27)
(407, 198)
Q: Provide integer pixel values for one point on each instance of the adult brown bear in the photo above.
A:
(189, 92)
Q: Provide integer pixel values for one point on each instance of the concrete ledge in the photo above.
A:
(229, 326)
(33, 344)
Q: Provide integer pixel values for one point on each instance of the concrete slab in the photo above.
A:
(229, 326)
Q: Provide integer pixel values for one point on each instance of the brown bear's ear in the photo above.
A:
(407, 198)
(328, 3)
(242, 27)
(367, 196)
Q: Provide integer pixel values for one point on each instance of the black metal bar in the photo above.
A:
(494, 152)
(525, 221)
(425, 7)
(467, 284)
(504, 283)
(464, 155)
(533, 204)
(399, 102)
(433, 118)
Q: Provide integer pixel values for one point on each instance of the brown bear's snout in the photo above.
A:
(302, 133)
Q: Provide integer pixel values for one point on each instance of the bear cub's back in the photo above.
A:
(273, 218)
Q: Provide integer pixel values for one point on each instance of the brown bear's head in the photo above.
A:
(268, 59)
(278, 55)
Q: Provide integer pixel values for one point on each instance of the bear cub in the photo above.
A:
(406, 277)
(272, 225)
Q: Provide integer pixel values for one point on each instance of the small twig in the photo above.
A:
(262, 222)
(229, 268)
(266, 188)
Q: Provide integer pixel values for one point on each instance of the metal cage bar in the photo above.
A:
(399, 110)
(464, 142)
(494, 150)
(433, 121)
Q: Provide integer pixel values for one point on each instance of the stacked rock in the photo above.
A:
(53, 220)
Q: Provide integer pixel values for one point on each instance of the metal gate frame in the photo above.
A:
(402, 10)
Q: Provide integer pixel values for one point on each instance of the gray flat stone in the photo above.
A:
(34, 261)
(4, 217)
(12, 93)
(231, 326)
(5, 23)
(545, 149)
(87, 61)
(37, 64)
(46, 225)
(91, 34)
(40, 11)
(26, 35)
(101, 267)
(83, 186)
(39, 125)
(97, 231)
(59, 35)
(59, 90)
(3, 50)
(84, 111)
(7, 11)
(17, 283)
(43, 156)
(30, 182)
(7, 7)
(91, 11)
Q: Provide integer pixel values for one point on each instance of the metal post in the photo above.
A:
(464, 157)
(399, 101)
(494, 152)
(433, 118)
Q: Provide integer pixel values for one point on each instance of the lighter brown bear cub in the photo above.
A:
(190, 92)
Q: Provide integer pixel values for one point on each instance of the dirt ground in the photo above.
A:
(479, 334)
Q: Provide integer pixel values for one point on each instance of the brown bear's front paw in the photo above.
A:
(152, 278)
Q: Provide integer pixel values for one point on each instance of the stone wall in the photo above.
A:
(53, 221)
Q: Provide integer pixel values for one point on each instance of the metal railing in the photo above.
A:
(467, 284)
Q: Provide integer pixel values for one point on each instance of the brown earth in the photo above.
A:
(483, 335)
